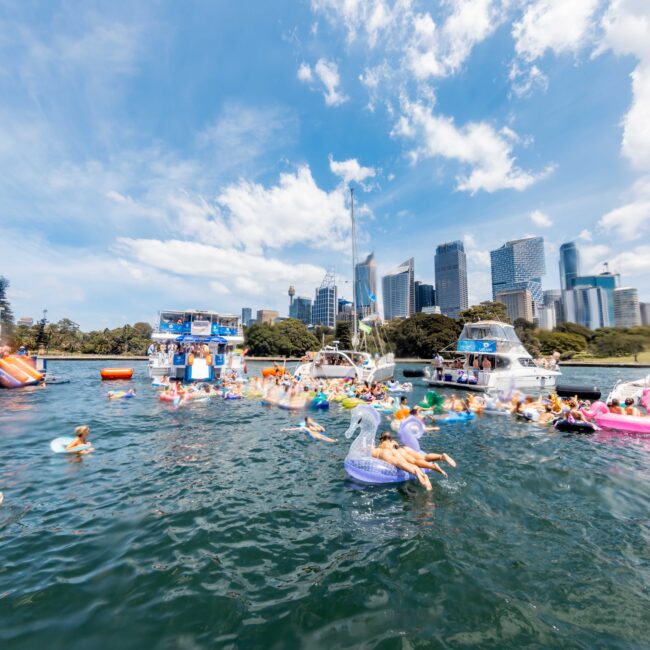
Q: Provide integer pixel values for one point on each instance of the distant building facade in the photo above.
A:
(569, 265)
(587, 306)
(518, 265)
(425, 296)
(300, 309)
(365, 286)
(553, 299)
(607, 281)
(644, 308)
(433, 309)
(267, 316)
(344, 312)
(325, 305)
(451, 278)
(626, 307)
(546, 317)
(26, 321)
(518, 302)
(246, 316)
(398, 288)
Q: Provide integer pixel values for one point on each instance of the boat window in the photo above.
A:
(503, 363)
(527, 362)
(511, 335)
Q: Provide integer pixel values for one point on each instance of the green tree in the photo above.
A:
(618, 345)
(575, 328)
(422, 335)
(487, 310)
(294, 339)
(566, 344)
(6, 314)
(343, 334)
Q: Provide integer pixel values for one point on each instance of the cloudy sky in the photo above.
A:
(165, 154)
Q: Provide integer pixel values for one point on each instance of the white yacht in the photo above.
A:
(332, 363)
(490, 357)
(177, 331)
(634, 389)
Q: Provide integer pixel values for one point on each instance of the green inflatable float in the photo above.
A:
(433, 401)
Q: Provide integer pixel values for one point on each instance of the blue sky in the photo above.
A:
(163, 154)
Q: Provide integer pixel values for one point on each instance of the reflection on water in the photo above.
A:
(207, 526)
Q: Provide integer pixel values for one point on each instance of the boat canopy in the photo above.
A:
(189, 338)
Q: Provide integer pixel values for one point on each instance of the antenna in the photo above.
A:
(354, 272)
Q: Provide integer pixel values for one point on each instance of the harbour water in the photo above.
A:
(206, 526)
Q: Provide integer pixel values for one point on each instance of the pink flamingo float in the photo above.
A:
(600, 414)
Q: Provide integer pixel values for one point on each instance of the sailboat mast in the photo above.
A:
(354, 271)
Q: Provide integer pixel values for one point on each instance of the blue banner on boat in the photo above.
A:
(480, 347)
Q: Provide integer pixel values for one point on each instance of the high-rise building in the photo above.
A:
(569, 264)
(267, 316)
(300, 309)
(425, 296)
(518, 302)
(553, 299)
(398, 288)
(519, 264)
(626, 307)
(451, 278)
(587, 306)
(325, 305)
(607, 281)
(246, 316)
(644, 307)
(344, 311)
(546, 317)
(365, 286)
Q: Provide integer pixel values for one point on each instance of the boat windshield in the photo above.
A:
(494, 331)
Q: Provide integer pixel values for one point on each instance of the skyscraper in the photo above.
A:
(425, 296)
(607, 281)
(365, 286)
(518, 302)
(519, 264)
(325, 306)
(451, 278)
(398, 288)
(569, 264)
(300, 309)
(587, 306)
(626, 307)
(553, 300)
(645, 313)
(246, 316)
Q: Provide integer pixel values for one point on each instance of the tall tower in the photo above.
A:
(398, 288)
(451, 278)
(292, 293)
(569, 265)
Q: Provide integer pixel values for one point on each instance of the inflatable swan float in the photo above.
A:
(360, 464)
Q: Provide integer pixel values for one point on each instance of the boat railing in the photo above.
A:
(186, 328)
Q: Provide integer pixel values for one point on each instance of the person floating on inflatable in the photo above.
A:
(121, 394)
(314, 430)
(80, 440)
(409, 460)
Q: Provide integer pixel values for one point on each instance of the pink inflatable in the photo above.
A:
(600, 414)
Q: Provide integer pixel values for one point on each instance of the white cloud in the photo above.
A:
(304, 73)
(628, 222)
(540, 219)
(477, 145)
(328, 74)
(626, 27)
(478, 256)
(585, 235)
(558, 25)
(527, 79)
(593, 257)
(350, 170)
(635, 262)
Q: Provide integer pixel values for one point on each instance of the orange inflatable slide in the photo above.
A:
(17, 371)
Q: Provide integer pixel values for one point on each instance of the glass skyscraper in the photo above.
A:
(246, 316)
(325, 305)
(569, 264)
(626, 307)
(587, 306)
(365, 280)
(398, 288)
(607, 281)
(451, 278)
(300, 309)
(425, 296)
(519, 265)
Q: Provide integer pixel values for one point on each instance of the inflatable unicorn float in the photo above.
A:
(360, 463)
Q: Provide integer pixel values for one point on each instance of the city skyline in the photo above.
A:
(132, 181)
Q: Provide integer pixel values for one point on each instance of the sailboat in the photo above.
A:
(358, 363)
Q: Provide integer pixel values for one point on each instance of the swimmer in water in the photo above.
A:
(80, 440)
(314, 430)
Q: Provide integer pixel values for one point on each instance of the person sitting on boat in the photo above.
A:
(630, 409)
(615, 407)
(80, 440)
(487, 364)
